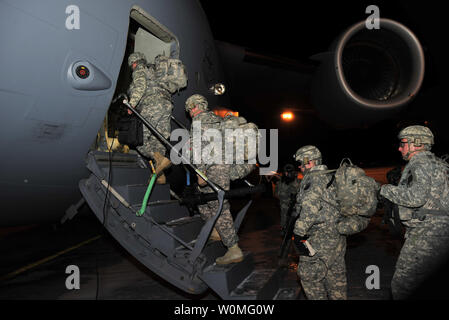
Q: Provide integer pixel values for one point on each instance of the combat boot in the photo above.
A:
(162, 163)
(233, 255)
(161, 179)
(214, 235)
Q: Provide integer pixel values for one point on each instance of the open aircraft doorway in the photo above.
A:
(120, 132)
(162, 230)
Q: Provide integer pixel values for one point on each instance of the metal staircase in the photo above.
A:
(166, 239)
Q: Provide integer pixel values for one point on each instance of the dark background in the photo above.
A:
(299, 29)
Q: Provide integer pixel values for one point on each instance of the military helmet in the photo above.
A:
(307, 153)
(196, 100)
(417, 135)
(135, 57)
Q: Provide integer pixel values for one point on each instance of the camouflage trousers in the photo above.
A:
(323, 282)
(219, 174)
(157, 111)
(420, 256)
(284, 213)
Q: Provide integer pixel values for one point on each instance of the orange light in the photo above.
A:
(287, 116)
(222, 112)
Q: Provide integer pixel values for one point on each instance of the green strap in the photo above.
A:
(147, 196)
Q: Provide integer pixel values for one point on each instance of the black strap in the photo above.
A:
(331, 181)
(421, 214)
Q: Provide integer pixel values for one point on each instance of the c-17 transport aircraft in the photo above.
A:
(64, 62)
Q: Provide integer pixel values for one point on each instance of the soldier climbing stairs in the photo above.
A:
(166, 238)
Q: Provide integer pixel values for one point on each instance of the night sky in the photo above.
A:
(298, 30)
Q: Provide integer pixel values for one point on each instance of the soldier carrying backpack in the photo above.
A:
(220, 173)
(150, 93)
(356, 196)
(423, 199)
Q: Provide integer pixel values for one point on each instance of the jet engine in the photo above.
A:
(368, 74)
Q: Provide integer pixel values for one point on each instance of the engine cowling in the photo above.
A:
(368, 75)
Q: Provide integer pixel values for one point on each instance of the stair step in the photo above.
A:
(127, 175)
(186, 228)
(167, 212)
(136, 193)
(223, 279)
(116, 157)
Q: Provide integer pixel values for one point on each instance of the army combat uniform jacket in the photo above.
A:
(151, 98)
(219, 173)
(323, 276)
(419, 195)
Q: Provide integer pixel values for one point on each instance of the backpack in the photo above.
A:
(243, 147)
(170, 73)
(444, 199)
(356, 192)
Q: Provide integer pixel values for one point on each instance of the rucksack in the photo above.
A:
(356, 192)
(246, 147)
(444, 198)
(170, 73)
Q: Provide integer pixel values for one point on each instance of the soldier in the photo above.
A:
(224, 230)
(422, 199)
(323, 275)
(150, 92)
(286, 188)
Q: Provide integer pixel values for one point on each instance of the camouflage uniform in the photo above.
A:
(285, 191)
(427, 241)
(323, 276)
(150, 93)
(220, 175)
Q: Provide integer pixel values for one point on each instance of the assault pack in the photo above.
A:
(244, 141)
(442, 163)
(356, 192)
(170, 73)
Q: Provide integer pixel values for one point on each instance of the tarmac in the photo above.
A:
(35, 259)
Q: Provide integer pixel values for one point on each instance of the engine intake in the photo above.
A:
(368, 74)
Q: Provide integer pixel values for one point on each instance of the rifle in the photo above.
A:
(192, 197)
(293, 215)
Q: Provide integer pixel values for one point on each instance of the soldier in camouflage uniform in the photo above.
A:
(422, 199)
(150, 94)
(323, 275)
(197, 107)
(286, 188)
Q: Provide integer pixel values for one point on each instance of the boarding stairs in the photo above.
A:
(166, 238)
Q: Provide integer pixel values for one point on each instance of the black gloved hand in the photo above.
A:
(381, 199)
(300, 246)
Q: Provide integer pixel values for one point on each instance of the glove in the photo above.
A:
(381, 198)
(302, 249)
